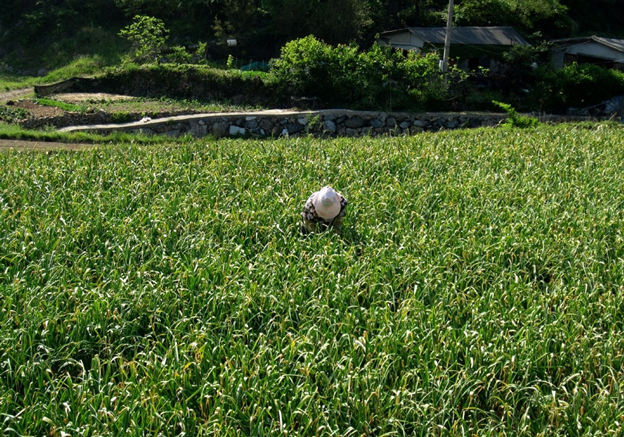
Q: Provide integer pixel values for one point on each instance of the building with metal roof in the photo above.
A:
(607, 52)
(473, 46)
(418, 38)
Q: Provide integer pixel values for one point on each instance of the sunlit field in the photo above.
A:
(476, 289)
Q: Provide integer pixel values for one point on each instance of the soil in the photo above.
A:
(36, 110)
(20, 99)
(24, 98)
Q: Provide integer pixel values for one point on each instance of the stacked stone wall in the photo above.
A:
(328, 123)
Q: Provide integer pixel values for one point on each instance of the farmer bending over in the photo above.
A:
(324, 209)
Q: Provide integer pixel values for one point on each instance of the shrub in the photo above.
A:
(230, 62)
(306, 66)
(576, 85)
(378, 78)
(179, 55)
(514, 119)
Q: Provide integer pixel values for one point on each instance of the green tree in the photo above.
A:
(164, 8)
(148, 36)
(333, 21)
(527, 15)
(392, 14)
(245, 21)
(341, 21)
(29, 21)
(603, 17)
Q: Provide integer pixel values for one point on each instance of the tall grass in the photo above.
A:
(476, 288)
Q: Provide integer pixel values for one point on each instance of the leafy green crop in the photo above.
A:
(475, 290)
(62, 105)
(12, 115)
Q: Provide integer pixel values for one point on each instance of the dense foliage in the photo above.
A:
(476, 289)
(263, 26)
(549, 16)
(576, 85)
(380, 78)
(322, 50)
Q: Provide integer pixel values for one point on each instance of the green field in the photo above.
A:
(477, 288)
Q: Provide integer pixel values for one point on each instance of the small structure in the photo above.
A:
(474, 46)
(607, 52)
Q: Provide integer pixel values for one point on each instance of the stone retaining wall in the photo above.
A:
(293, 123)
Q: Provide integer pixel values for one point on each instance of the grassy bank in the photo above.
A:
(476, 288)
(82, 66)
(86, 52)
(15, 132)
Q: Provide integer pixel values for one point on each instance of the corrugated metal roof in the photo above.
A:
(616, 44)
(495, 35)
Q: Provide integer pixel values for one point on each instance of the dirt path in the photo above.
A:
(22, 98)
(32, 145)
(43, 146)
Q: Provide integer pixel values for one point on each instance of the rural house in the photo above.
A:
(607, 52)
(473, 46)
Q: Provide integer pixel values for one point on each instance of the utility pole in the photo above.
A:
(447, 39)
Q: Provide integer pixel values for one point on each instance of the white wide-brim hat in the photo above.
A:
(327, 203)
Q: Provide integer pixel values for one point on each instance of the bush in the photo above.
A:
(576, 85)
(380, 78)
(179, 55)
(394, 79)
(185, 55)
(308, 66)
(514, 119)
